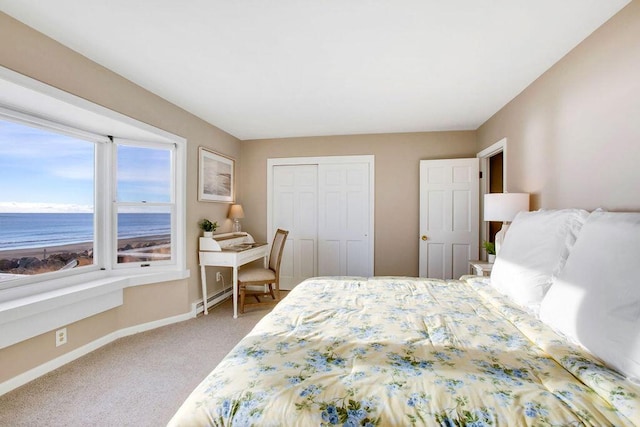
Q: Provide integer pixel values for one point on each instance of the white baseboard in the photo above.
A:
(51, 365)
(198, 307)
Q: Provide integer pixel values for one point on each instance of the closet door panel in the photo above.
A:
(357, 252)
(329, 259)
(295, 197)
(344, 219)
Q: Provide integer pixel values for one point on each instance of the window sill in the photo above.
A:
(31, 315)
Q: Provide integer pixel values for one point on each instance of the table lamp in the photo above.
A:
(236, 213)
(504, 207)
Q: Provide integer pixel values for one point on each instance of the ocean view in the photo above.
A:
(40, 230)
(49, 202)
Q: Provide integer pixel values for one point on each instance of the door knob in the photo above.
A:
(424, 237)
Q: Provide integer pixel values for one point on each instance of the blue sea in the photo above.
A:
(39, 230)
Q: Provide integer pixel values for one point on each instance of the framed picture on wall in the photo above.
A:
(216, 177)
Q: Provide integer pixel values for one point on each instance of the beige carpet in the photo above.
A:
(139, 380)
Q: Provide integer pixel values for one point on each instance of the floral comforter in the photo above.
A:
(400, 351)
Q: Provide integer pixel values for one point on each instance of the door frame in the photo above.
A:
(288, 161)
(484, 155)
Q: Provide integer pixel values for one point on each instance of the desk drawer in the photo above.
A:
(220, 259)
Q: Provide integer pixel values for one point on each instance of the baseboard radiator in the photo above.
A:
(214, 299)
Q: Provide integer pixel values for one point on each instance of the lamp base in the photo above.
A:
(237, 228)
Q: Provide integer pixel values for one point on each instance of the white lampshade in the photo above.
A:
(504, 206)
(236, 212)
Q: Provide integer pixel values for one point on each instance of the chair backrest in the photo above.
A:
(277, 248)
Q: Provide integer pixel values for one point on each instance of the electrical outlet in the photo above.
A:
(61, 337)
(218, 276)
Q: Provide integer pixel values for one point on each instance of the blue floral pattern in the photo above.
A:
(400, 351)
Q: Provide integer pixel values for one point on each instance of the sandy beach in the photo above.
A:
(40, 252)
(76, 247)
(39, 260)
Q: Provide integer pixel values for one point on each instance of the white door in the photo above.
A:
(344, 205)
(449, 217)
(295, 207)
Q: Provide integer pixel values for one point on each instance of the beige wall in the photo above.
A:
(397, 159)
(32, 54)
(574, 134)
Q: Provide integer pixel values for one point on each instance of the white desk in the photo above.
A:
(228, 250)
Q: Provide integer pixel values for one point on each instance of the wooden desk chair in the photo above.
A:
(268, 278)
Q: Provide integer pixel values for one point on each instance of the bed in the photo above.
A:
(409, 351)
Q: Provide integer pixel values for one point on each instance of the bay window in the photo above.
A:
(91, 202)
(74, 202)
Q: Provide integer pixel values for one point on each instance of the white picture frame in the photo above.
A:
(216, 177)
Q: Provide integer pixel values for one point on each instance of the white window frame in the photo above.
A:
(98, 142)
(116, 204)
(32, 306)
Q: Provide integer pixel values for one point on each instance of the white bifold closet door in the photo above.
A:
(327, 210)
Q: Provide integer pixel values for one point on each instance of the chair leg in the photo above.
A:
(271, 291)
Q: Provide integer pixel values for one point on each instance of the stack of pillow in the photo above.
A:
(580, 273)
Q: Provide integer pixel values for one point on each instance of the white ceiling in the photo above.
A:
(282, 68)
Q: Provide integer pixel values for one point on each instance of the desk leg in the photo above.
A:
(203, 277)
(235, 292)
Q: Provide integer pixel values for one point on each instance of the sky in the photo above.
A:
(42, 171)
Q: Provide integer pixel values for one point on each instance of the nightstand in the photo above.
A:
(480, 268)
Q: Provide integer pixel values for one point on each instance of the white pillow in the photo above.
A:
(596, 298)
(535, 248)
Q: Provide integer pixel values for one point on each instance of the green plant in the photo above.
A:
(489, 247)
(207, 225)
